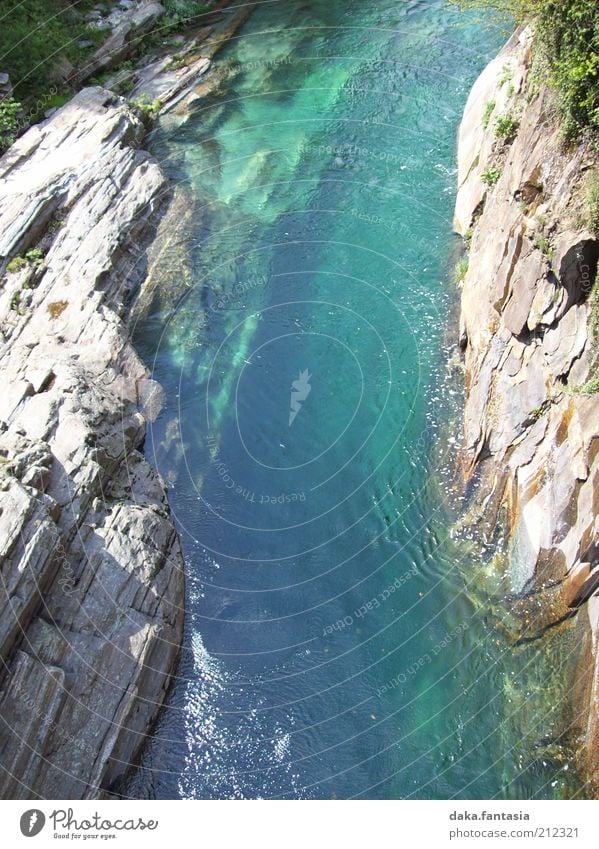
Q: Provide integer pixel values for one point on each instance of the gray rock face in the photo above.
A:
(179, 80)
(91, 599)
(130, 24)
(531, 435)
(5, 85)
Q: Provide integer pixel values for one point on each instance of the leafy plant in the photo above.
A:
(507, 75)
(461, 270)
(592, 198)
(490, 106)
(125, 86)
(55, 225)
(176, 63)
(9, 125)
(17, 264)
(506, 126)
(567, 44)
(182, 12)
(146, 107)
(35, 35)
(491, 176)
(589, 388)
(544, 245)
(35, 257)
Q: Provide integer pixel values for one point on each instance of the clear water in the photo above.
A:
(341, 641)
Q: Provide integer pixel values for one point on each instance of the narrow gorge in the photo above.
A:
(285, 513)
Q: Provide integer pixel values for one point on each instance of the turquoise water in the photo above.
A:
(341, 640)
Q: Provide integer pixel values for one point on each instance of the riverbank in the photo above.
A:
(93, 590)
(528, 328)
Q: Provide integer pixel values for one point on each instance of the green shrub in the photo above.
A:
(17, 264)
(491, 176)
(182, 12)
(9, 125)
(567, 42)
(125, 86)
(488, 112)
(591, 387)
(544, 245)
(35, 35)
(176, 63)
(460, 271)
(34, 257)
(593, 202)
(506, 126)
(146, 107)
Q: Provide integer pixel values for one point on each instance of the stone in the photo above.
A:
(130, 26)
(531, 444)
(5, 85)
(92, 596)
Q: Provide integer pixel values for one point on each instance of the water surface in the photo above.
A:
(341, 641)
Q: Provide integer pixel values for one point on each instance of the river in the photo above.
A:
(342, 640)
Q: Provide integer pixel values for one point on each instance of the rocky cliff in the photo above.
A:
(91, 598)
(531, 454)
(92, 591)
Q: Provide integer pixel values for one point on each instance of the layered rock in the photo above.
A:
(91, 596)
(531, 419)
(177, 79)
(129, 26)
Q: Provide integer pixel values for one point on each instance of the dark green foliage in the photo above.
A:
(9, 111)
(506, 126)
(35, 34)
(182, 12)
(568, 42)
(491, 176)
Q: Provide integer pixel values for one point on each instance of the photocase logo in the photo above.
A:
(32, 822)
(300, 389)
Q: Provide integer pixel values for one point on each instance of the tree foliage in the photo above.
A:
(34, 35)
(567, 40)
